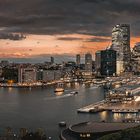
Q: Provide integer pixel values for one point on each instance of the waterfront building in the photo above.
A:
(50, 75)
(39, 74)
(78, 59)
(121, 44)
(106, 62)
(27, 75)
(88, 62)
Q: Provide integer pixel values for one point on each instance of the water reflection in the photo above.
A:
(59, 93)
(103, 115)
(10, 89)
(119, 116)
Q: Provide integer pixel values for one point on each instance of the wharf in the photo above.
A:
(96, 107)
(105, 106)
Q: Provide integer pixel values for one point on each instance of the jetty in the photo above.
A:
(133, 107)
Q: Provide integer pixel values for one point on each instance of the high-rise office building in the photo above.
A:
(78, 59)
(98, 61)
(106, 62)
(121, 44)
(88, 62)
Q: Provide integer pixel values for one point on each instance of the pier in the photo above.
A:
(132, 107)
(96, 107)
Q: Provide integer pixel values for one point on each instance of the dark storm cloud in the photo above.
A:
(97, 39)
(11, 36)
(94, 17)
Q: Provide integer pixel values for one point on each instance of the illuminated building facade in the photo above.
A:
(121, 44)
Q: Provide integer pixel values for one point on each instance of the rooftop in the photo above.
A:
(95, 127)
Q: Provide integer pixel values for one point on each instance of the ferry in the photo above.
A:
(59, 89)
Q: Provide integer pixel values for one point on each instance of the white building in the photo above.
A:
(27, 75)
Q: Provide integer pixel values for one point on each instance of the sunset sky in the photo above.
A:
(62, 28)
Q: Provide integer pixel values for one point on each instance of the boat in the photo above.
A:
(62, 124)
(59, 89)
(74, 92)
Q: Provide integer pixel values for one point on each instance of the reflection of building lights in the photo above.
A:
(59, 93)
(76, 85)
(130, 115)
(10, 89)
(68, 84)
(117, 116)
(103, 115)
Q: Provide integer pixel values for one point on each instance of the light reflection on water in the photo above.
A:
(103, 115)
(59, 93)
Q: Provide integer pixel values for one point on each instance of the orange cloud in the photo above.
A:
(58, 44)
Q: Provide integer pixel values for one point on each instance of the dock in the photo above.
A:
(96, 107)
(133, 107)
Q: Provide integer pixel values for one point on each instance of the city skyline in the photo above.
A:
(62, 29)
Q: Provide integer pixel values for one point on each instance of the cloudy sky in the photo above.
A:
(41, 28)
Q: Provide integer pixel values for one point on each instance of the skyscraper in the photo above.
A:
(52, 60)
(98, 61)
(121, 44)
(88, 62)
(106, 62)
(78, 59)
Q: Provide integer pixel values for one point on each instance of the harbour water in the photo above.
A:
(42, 107)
